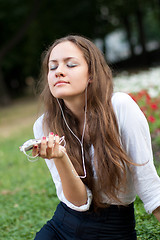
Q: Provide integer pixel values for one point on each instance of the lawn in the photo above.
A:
(28, 197)
(27, 193)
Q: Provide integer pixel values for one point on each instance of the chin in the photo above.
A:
(58, 94)
(61, 96)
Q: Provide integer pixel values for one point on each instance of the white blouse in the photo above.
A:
(135, 137)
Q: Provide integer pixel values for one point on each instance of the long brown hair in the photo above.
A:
(110, 159)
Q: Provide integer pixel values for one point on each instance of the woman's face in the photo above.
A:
(68, 72)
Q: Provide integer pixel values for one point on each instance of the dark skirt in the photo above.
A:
(114, 222)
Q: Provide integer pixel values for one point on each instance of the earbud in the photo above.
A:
(89, 80)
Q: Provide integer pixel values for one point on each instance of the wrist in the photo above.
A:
(60, 158)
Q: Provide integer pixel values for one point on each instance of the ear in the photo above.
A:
(90, 80)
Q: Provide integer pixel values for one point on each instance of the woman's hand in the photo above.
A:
(74, 191)
(49, 149)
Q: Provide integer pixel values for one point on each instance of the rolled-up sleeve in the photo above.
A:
(81, 208)
(136, 140)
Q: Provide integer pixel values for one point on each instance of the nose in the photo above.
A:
(60, 71)
(59, 74)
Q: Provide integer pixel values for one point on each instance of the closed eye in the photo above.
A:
(53, 67)
(70, 65)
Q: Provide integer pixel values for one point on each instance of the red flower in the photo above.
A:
(151, 119)
(142, 93)
(154, 106)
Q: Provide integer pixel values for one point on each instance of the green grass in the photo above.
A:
(28, 198)
(147, 225)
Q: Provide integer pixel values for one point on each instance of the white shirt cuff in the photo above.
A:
(82, 208)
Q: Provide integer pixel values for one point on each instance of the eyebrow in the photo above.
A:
(65, 59)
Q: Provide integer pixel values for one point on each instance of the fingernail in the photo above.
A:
(56, 135)
(51, 133)
(35, 146)
(44, 138)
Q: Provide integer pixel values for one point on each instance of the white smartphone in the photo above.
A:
(28, 145)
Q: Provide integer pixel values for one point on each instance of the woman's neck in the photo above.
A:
(77, 108)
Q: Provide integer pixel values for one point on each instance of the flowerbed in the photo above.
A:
(144, 88)
(135, 82)
(150, 107)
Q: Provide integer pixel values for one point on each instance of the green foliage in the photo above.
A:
(147, 225)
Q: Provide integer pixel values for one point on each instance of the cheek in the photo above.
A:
(50, 78)
(85, 79)
(82, 77)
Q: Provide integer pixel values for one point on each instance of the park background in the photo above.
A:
(128, 32)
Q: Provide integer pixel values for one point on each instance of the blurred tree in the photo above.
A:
(27, 34)
(83, 17)
(30, 26)
(131, 15)
(15, 35)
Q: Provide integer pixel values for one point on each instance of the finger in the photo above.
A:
(51, 140)
(56, 150)
(35, 150)
(50, 145)
(42, 152)
(56, 144)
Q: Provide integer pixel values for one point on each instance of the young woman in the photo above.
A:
(107, 159)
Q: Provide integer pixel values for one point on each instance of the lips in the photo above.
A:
(60, 82)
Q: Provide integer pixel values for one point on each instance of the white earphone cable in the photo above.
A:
(83, 132)
(35, 158)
